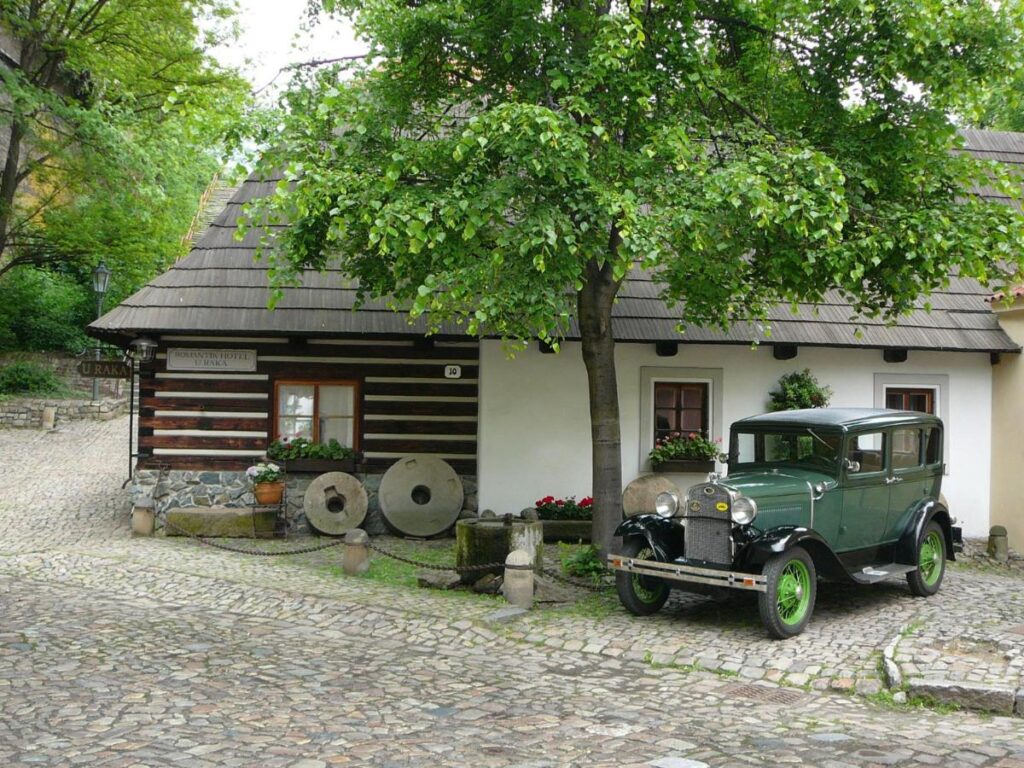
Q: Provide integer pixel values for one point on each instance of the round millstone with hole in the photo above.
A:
(420, 496)
(334, 503)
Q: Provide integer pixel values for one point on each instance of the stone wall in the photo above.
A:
(66, 366)
(196, 488)
(28, 412)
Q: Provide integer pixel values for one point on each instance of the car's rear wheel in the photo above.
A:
(641, 595)
(792, 586)
(931, 562)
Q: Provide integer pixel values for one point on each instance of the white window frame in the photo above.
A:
(937, 382)
(651, 375)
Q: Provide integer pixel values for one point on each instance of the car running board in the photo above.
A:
(874, 573)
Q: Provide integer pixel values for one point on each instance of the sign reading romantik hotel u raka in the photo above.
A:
(179, 359)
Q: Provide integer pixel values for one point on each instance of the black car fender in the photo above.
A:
(753, 556)
(664, 536)
(928, 510)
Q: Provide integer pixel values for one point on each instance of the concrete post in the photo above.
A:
(998, 545)
(356, 559)
(143, 518)
(49, 416)
(518, 583)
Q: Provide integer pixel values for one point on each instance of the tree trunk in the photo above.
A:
(594, 313)
(9, 181)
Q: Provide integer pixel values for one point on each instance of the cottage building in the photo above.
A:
(230, 375)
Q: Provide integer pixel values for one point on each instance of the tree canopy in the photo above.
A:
(117, 120)
(505, 164)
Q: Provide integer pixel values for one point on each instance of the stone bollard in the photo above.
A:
(49, 416)
(518, 583)
(998, 546)
(356, 560)
(143, 518)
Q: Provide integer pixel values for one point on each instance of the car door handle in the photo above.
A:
(891, 480)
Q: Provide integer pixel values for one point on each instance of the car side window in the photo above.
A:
(868, 450)
(906, 448)
(932, 445)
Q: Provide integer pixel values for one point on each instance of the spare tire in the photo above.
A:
(335, 503)
(420, 496)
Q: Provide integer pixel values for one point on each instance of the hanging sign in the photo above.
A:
(105, 369)
(181, 359)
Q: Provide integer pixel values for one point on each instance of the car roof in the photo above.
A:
(837, 418)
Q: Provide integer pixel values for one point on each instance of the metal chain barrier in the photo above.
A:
(433, 566)
(386, 553)
(257, 552)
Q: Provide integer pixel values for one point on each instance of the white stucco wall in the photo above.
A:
(534, 427)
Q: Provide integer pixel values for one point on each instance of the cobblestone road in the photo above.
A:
(129, 652)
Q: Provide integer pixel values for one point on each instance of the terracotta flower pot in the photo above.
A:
(269, 493)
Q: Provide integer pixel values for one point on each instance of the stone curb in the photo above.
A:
(998, 699)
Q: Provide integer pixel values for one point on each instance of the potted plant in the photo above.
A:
(267, 482)
(798, 390)
(565, 519)
(678, 452)
(302, 455)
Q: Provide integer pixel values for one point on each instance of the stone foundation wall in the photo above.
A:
(188, 488)
(28, 412)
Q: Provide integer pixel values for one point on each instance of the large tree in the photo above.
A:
(505, 163)
(112, 113)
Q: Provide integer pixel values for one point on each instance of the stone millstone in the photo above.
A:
(420, 496)
(335, 503)
(640, 495)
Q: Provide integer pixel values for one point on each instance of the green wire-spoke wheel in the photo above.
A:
(792, 585)
(640, 595)
(931, 562)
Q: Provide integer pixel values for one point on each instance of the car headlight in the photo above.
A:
(744, 510)
(667, 504)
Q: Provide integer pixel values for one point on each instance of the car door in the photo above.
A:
(911, 474)
(866, 493)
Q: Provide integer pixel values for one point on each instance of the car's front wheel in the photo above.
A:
(931, 562)
(787, 603)
(641, 595)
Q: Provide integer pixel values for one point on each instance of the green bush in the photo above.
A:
(25, 378)
(582, 562)
(43, 310)
(799, 389)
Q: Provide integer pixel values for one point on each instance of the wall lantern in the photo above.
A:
(894, 355)
(784, 351)
(142, 350)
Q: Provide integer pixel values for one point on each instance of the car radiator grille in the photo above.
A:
(708, 529)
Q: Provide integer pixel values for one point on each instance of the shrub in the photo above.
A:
(26, 378)
(799, 389)
(43, 310)
(581, 562)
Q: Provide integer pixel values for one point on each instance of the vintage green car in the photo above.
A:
(844, 494)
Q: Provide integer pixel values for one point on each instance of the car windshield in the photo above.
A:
(804, 448)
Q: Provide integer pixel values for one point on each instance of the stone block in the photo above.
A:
(232, 522)
(991, 698)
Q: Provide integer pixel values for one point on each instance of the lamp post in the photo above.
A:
(100, 281)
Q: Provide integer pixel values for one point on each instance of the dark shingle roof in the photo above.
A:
(219, 288)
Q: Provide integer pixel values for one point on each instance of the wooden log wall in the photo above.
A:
(224, 421)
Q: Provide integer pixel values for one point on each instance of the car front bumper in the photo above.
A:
(689, 573)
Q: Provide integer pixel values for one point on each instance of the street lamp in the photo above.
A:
(100, 281)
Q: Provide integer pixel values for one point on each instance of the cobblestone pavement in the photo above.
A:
(152, 652)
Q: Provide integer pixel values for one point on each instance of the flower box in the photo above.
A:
(319, 466)
(685, 465)
(566, 530)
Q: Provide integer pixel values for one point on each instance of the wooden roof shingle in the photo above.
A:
(221, 288)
